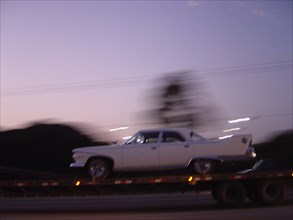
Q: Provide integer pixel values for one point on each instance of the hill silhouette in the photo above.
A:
(279, 147)
(42, 147)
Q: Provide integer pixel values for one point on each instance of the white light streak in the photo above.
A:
(225, 137)
(126, 138)
(117, 129)
(232, 129)
(239, 120)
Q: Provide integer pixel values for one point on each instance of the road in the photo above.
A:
(163, 206)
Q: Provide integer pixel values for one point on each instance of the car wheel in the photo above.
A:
(203, 166)
(99, 168)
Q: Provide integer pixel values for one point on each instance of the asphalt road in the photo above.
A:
(165, 206)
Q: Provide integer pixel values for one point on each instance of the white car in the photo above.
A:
(162, 149)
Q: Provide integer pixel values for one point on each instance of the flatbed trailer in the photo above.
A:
(230, 189)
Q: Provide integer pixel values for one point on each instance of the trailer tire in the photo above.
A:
(232, 194)
(271, 192)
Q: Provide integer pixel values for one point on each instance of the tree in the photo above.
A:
(179, 101)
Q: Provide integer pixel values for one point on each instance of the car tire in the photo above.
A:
(203, 166)
(99, 168)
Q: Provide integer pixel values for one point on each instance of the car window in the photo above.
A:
(147, 138)
(171, 137)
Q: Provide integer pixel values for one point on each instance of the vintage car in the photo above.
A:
(162, 149)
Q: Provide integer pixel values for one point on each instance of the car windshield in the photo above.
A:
(144, 138)
(131, 139)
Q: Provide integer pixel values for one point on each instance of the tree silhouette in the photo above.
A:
(179, 101)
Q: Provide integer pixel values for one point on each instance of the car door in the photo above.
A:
(142, 153)
(175, 151)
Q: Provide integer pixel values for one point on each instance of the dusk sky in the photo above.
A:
(94, 61)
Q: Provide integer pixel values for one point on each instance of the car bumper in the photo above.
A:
(77, 165)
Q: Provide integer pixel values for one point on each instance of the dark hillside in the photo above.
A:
(279, 147)
(42, 147)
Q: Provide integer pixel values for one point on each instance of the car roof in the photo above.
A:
(183, 131)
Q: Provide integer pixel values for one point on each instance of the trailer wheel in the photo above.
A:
(99, 168)
(203, 166)
(271, 192)
(231, 194)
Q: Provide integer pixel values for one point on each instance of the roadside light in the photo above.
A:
(77, 183)
(190, 179)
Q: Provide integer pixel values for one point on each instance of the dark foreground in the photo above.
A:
(165, 206)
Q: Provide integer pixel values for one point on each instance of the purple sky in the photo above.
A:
(61, 60)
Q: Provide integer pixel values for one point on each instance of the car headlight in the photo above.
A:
(250, 152)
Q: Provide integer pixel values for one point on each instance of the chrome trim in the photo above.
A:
(77, 165)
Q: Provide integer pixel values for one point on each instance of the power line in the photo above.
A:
(130, 81)
(255, 117)
(249, 71)
(248, 66)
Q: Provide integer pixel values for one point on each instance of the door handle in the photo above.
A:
(154, 148)
(186, 145)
